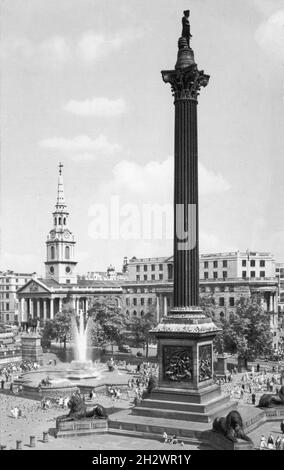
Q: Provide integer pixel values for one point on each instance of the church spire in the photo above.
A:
(60, 203)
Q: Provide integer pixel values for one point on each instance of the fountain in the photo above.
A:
(82, 367)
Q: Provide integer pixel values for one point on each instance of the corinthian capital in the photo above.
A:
(185, 83)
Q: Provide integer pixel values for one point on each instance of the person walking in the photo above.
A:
(253, 398)
(282, 426)
(263, 444)
(278, 443)
(270, 442)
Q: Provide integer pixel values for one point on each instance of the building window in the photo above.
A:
(137, 278)
(153, 277)
(160, 267)
(225, 263)
(215, 264)
(252, 274)
(262, 273)
(138, 269)
(67, 252)
(59, 221)
(160, 277)
(145, 277)
(206, 275)
(244, 263)
(145, 267)
(52, 252)
(134, 313)
(231, 301)
(142, 313)
(225, 274)
(7, 296)
(142, 301)
(7, 306)
(153, 267)
(222, 314)
(7, 317)
(64, 221)
(252, 263)
(150, 300)
(127, 301)
(262, 263)
(135, 301)
(205, 264)
(215, 274)
(221, 301)
(244, 274)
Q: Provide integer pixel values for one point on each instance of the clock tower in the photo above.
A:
(60, 245)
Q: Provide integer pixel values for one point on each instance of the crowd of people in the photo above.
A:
(273, 444)
(249, 386)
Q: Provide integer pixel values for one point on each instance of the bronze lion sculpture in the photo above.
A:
(79, 410)
(269, 400)
(230, 427)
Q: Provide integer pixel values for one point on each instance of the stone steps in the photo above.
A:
(184, 406)
(184, 415)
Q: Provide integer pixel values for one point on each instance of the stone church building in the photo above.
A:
(40, 299)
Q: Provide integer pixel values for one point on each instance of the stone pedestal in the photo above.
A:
(221, 367)
(186, 390)
(81, 427)
(31, 348)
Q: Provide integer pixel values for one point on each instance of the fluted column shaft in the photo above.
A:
(186, 252)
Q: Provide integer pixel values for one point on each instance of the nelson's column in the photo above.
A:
(185, 390)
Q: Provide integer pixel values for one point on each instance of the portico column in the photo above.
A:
(60, 304)
(22, 303)
(165, 306)
(87, 304)
(44, 310)
(74, 303)
(38, 309)
(31, 308)
(158, 307)
(77, 301)
(51, 309)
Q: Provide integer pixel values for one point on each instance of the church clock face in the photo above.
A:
(51, 270)
(68, 270)
(52, 234)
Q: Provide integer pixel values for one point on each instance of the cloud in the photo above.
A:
(81, 147)
(93, 46)
(270, 36)
(99, 107)
(154, 180)
(88, 48)
(52, 51)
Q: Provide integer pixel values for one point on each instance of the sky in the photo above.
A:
(81, 84)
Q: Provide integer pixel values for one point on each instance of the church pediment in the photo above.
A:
(33, 286)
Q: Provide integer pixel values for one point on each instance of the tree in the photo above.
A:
(59, 328)
(208, 305)
(108, 322)
(247, 332)
(140, 328)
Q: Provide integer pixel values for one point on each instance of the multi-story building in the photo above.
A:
(10, 282)
(225, 276)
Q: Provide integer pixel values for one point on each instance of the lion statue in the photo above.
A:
(231, 427)
(269, 400)
(79, 410)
